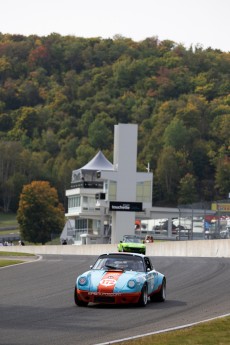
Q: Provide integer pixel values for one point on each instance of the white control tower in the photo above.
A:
(128, 192)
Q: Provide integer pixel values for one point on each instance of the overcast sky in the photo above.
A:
(190, 22)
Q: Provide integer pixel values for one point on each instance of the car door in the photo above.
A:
(150, 274)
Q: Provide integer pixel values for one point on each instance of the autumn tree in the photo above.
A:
(39, 214)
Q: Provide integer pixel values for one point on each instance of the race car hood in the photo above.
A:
(113, 280)
(133, 245)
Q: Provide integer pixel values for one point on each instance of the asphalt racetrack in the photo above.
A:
(37, 305)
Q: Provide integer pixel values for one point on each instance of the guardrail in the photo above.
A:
(208, 248)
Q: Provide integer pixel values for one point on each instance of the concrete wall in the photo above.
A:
(204, 248)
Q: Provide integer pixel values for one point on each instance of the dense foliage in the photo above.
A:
(60, 98)
(40, 215)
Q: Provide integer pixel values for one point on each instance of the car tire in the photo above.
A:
(143, 300)
(161, 295)
(78, 302)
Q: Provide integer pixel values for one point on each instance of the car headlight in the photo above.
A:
(82, 281)
(131, 283)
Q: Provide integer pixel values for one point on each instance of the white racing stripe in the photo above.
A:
(163, 331)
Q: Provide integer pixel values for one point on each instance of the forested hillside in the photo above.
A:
(60, 97)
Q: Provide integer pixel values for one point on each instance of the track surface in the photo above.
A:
(37, 306)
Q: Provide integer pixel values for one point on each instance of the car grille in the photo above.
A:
(104, 299)
(134, 250)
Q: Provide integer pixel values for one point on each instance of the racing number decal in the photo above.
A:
(108, 282)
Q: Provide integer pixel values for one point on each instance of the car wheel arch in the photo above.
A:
(160, 296)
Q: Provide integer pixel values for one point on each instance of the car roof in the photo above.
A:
(131, 237)
(122, 254)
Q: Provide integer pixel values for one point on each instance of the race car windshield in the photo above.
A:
(132, 240)
(119, 263)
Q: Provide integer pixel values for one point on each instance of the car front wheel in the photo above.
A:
(143, 300)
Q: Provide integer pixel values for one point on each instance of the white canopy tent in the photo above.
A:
(88, 171)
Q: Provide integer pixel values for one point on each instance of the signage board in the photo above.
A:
(221, 207)
(125, 206)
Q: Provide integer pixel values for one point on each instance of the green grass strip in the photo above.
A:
(14, 254)
(216, 332)
(8, 219)
(4, 263)
(9, 232)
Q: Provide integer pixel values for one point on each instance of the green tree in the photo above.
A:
(99, 133)
(27, 121)
(84, 153)
(176, 135)
(223, 177)
(50, 142)
(6, 122)
(128, 71)
(167, 173)
(5, 67)
(39, 214)
(9, 166)
(187, 190)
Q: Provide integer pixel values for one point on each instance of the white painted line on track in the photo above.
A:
(163, 331)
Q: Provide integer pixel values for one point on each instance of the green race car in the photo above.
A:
(132, 244)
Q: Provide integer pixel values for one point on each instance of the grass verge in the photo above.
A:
(216, 332)
(6, 258)
(9, 232)
(8, 219)
(4, 263)
(15, 254)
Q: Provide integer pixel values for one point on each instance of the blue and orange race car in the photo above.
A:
(118, 278)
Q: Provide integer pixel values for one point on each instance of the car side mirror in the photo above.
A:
(121, 241)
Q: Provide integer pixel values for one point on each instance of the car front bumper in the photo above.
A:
(108, 298)
(134, 250)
